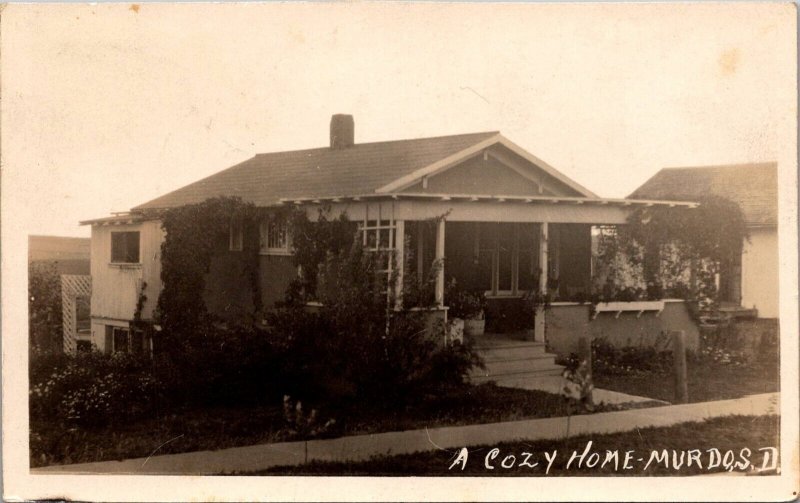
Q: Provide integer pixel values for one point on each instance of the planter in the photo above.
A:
(474, 327)
(455, 330)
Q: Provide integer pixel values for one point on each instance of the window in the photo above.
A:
(125, 340)
(119, 340)
(275, 239)
(507, 257)
(125, 247)
(236, 235)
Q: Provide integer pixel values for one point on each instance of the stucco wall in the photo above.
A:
(760, 272)
(567, 322)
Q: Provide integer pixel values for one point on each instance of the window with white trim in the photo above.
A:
(125, 247)
(124, 340)
(236, 235)
(274, 237)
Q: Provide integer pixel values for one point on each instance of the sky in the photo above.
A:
(105, 107)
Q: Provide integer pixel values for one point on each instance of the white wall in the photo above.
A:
(760, 272)
(115, 288)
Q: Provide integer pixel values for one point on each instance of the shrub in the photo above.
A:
(360, 343)
(578, 385)
(91, 389)
(609, 359)
(465, 304)
(227, 366)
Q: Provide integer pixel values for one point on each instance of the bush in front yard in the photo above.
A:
(360, 343)
(609, 359)
(225, 366)
(91, 389)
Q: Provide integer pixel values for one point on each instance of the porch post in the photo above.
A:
(400, 259)
(538, 330)
(440, 260)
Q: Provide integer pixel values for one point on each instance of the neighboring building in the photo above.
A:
(513, 223)
(751, 282)
(68, 255)
(68, 258)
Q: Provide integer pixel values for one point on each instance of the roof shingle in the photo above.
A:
(754, 187)
(320, 172)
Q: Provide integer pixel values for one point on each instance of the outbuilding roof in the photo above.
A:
(754, 187)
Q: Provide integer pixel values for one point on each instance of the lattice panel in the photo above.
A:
(72, 287)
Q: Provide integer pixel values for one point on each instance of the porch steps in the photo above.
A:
(511, 361)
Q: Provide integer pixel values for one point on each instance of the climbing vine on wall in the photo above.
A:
(194, 233)
(312, 243)
(653, 255)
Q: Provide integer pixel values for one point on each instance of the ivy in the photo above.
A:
(312, 243)
(194, 233)
(651, 256)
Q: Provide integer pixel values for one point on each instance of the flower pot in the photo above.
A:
(474, 327)
(455, 330)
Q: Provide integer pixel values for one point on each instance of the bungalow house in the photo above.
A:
(748, 285)
(512, 223)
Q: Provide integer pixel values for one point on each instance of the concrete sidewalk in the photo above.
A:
(362, 447)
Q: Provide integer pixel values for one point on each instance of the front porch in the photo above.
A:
(508, 248)
(506, 262)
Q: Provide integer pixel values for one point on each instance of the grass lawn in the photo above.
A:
(706, 381)
(732, 433)
(210, 429)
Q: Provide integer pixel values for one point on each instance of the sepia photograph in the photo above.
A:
(399, 251)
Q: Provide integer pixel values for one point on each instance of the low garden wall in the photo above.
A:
(567, 322)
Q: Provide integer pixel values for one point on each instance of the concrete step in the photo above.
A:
(490, 358)
(517, 377)
(514, 370)
(509, 353)
(485, 344)
(517, 366)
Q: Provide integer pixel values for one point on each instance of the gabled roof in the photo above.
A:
(754, 187)
(380, 167)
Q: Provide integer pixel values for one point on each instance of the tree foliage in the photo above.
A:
(44, 307)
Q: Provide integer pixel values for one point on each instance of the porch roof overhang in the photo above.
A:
(489, 198)
(489, 208)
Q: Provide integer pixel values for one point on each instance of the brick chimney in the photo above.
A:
(342, 131)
